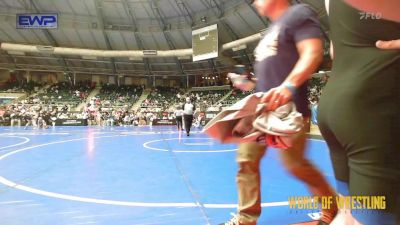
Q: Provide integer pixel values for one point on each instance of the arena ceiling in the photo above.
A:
(128, 25)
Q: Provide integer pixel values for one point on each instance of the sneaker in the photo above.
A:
(233, 221)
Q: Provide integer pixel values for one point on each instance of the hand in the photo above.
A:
(277, 97)
(388, 45)
(241, 82)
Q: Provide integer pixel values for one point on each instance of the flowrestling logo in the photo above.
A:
(372, 16)
(37, 21)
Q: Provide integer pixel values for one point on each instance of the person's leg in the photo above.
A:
(374, 168)
(177, 123)
(248, 181)
(185, 122)
(190, 122)
(339, 159)
(180, 123)
(367, 156)
(295, 162)
(34, 122)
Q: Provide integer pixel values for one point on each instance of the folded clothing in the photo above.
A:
(247, 121)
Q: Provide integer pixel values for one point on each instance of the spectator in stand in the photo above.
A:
(142, 121)
(178, 117)
(15, 118)
(127, 120)
(64, 109)
(27, 118)
(42, 123)
(2, 119)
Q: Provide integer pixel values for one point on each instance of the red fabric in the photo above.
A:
(276, 142)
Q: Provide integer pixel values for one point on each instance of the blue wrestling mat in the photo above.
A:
(135, 175)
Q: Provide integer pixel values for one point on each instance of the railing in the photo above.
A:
(212, 88)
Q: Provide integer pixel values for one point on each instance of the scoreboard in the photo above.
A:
(205, 43)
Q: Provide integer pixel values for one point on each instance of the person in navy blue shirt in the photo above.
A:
(285, 58)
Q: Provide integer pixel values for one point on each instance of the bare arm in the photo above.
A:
(310, 57)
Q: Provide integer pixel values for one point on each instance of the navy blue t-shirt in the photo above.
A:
(276, 54)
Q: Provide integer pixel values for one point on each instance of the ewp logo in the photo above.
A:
(32, 21)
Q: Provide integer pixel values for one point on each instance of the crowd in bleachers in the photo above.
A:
(66, 93)
(113, 104)
(37, 115)
(235, 96)
(114, 96)
(14, 86)
(162, 98)
(315, 87)
(122, 117)
(166, 100)
(160, 104)
(58, 101)
(208, 99)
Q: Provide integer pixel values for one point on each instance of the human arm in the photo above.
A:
(310, 57)
(388, 45)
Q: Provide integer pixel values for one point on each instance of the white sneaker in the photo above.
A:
(233, 221)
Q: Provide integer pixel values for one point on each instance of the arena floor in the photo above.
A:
(134, 175)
